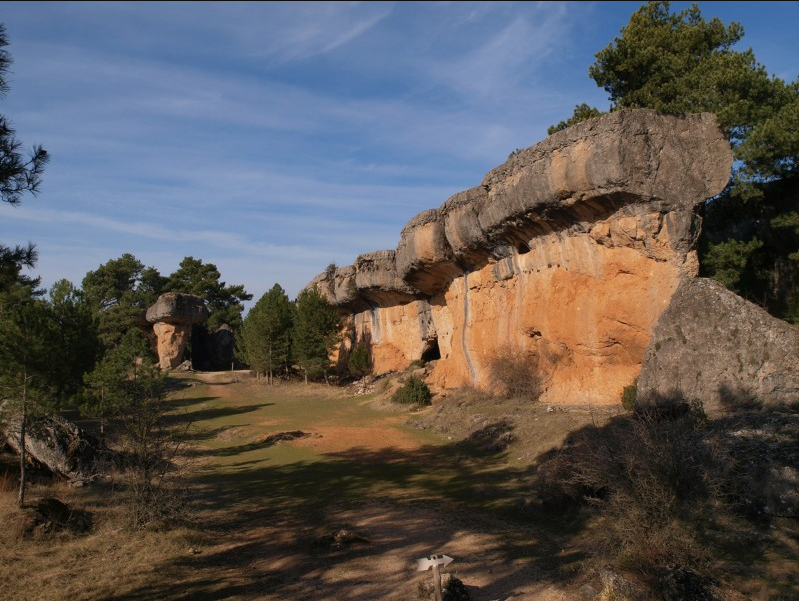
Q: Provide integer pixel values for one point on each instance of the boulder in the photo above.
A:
(179, 309)
(713, 346)
(56, 443)
(171, 341)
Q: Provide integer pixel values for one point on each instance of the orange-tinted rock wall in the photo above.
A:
(172, 339)
(565, 257)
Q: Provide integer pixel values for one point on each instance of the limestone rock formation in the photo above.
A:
(56, 443)
(712, 345)
(567, 253)
(177, 308)
(173, 316)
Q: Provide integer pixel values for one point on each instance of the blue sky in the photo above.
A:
(272, 139)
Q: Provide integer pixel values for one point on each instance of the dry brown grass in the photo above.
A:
(258, 511)
(8, 482)
(104, 563)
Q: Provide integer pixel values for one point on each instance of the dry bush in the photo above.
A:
(656, 479)
(10, 513)
(152, 465)
(515, 375)
(8, 483)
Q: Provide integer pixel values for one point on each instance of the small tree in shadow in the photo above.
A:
(360, 362)
(515, 375)
(133, 394)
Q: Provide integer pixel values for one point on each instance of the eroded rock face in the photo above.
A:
(173, 316)
(214, 351)
(177, 308)
(712, 345)
(568, 252)
(171, 340)
(55, 443)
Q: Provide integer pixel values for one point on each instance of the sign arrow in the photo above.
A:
(426, 563)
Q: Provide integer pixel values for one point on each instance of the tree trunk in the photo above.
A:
(23, 472)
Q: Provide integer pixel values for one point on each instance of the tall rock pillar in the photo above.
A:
(173, 316)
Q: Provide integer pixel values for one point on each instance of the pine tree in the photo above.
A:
(315, 333)
(28, 329)
(203, 279)
(264, 339)
(18, 174)
(681, 63)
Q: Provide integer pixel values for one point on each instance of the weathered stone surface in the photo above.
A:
(580, 175)
(180, 309)
(712, 345)
(767, 442)
(398, 334)
(221, 348)
(56, 443)
(171, 343)
(424, 256)
(371, 282)
(568, 253)
(173, 316)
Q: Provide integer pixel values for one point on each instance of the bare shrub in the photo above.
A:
(515, 375)
(654, 476)
(153, 464)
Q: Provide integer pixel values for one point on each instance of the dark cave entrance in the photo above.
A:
(431, 351)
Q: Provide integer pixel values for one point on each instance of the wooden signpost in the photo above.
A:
(434, 561)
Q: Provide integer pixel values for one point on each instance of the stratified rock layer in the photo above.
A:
(713, 346)
(173, 316)
(567, 253)
(177, 308)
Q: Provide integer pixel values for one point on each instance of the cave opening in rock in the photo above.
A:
(522, 248)
(431, 351)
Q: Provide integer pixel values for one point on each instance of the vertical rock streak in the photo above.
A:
(465, 326)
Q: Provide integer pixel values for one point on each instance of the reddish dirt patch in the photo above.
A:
(334, 439)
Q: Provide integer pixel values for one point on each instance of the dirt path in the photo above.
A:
(261, 552)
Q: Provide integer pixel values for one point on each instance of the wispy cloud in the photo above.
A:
(274, 138)
(298, 31)
(507, 56)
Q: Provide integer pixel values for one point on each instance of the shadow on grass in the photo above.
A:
(183, 409)
(463, 483)
(265, 443)
(298, 499)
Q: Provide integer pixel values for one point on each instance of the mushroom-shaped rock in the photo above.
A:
(172, 316)
(177, 308)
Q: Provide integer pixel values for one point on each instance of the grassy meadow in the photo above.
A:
(275, 474)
